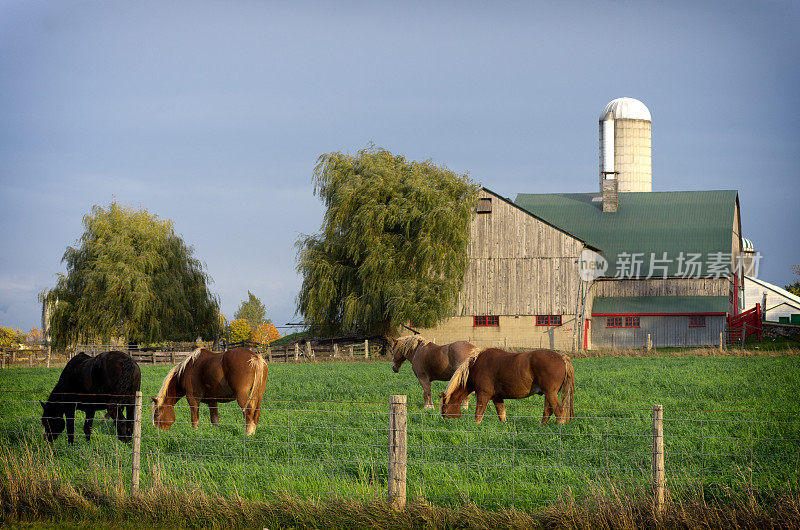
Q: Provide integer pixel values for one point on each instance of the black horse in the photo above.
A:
(106, 382)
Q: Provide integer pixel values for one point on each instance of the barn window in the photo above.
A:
(548, 320)
(487, 320)
(484, 205)
(613, 322)
(697, 321)
(631, 322)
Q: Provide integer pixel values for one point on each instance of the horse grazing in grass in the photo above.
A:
(431, 362)
(108, 381)
(212, 378)
(496, 375)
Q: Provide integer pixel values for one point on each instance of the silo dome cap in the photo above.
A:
(626, 108)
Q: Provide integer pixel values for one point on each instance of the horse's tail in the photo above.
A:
(259, 377)
(461, 374)
(567, 389)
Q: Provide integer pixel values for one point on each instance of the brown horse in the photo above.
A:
(212, 378)
(431, 362)
(496, 375)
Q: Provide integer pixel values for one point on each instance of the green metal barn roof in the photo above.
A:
(659, 305)
(688, 222)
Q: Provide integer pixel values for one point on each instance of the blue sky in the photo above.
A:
(213, 114)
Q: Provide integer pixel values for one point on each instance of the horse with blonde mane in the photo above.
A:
(496, 375)
(431, 362)
(212, 378)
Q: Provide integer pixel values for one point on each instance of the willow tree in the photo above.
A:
(392, 248)
(131, 277)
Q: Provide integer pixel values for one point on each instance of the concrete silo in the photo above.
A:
(625, 146)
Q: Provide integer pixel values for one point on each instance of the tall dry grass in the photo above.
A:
(31, 490)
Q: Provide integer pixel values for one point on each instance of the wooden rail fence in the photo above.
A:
(285, 353)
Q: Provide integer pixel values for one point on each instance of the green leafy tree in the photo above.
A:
(253, 311)
(794, 288)
(392, 247)
(131, 276)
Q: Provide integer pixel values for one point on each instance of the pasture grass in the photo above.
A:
(34, 496)
(323, 438)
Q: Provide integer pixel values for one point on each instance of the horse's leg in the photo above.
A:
(552, 406)
(194, 411)
(129, 412)
(481, 402)
(465, 403)
(547, 411)
(115, 412)
(213, 409)
(87, 425)
(501, 409)
(426, 391)
(70, 415)
(558, 410)
(247, 412)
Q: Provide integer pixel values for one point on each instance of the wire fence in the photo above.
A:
(314, 449)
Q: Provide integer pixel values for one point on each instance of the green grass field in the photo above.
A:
(323, 431)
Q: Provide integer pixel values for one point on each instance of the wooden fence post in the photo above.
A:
(49, 356)
(721, 340)
(658, 460)
(3, 356)
(269, 353)
(398, 425)
(296, 352)
(137, 443)
(335, 350)
(366, 349)
(350, 351)
(309, 350)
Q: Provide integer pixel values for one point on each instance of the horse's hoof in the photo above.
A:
(428, 407)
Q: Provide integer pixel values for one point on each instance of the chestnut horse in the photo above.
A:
(212, 378)
(431, 362)
(496, 375)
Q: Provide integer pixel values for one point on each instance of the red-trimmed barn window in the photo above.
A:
(697, 321)
(613, 322)
(548, 320)
(631, 322)
(486, 320)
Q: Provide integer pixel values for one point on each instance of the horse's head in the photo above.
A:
(163, 415)
(52, 421)
(450, 406)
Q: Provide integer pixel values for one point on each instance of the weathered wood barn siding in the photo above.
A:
(519, 267)
(518, 264)
(610, 287)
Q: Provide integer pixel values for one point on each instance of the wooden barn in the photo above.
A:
(622, 267)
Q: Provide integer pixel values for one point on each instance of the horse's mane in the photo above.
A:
(406, 345)
(176, 373)
(460, 376)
